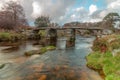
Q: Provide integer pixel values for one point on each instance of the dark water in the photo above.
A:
(68, 64)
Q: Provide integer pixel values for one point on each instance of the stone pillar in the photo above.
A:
(52, 37)
(71, 41)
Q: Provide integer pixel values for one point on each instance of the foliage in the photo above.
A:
(111, 42)
(110, 19)
(111, 16)
(98, 43)
(42, 33)
(42, 21)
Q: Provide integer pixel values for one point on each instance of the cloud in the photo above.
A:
(62, 11)
(92, 9)
(79, 9)
(114, 5)
(73, 16)
(37, 10)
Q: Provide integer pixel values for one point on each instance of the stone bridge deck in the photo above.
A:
(83, 28)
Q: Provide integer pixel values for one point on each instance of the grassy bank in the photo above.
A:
(11, 36)
(105, 60)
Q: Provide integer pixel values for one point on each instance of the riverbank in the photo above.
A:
(106, 56)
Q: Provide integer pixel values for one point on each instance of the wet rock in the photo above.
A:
(65, 67)
(43, 77)
(2, 66)
(57, 68)
(32, 52)
(71, 74)
(50, 48)
(10, 49)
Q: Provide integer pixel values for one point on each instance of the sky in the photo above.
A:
(64, 11)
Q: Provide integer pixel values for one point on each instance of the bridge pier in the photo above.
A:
(51, 37)
(71, 39)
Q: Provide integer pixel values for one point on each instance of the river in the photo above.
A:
(65, 64)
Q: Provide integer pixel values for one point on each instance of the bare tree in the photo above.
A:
(12, 16)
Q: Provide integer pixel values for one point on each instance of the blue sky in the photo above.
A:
(64, 11)
(101, 4)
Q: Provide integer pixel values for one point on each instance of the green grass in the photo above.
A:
(43, 50)
(106, 62)
(10, 36)
(50, 47)
(4, 36)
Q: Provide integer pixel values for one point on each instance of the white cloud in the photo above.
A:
(73, 16)
(37, 9)
(1, 6)
(114, 5)
(61, 17)
(92, 9)
(79, 9)
(103, 13)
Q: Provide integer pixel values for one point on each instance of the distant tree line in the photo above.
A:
(45, 21)
(12, 16)
(108, 22)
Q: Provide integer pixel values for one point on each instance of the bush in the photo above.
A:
(98, 43)
(42, 33)
(111, 42)
(115, 44)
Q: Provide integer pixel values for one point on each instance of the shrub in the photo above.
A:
(98, 43)
(42, 33)
(115, 44)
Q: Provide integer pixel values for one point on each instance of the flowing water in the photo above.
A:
(65, 64)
